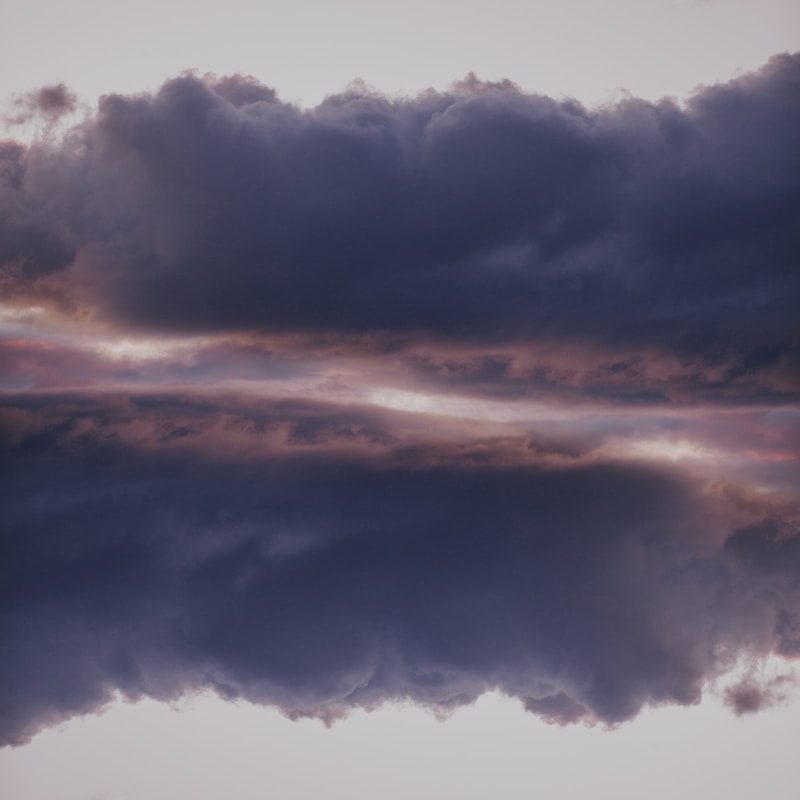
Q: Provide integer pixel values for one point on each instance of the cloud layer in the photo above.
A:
(400, 399)
(318, 575)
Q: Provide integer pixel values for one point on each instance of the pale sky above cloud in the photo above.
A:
(587, 49)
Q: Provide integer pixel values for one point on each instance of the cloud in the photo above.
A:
(749, 695)
(42, 353)
(49, 103)
(480, 214)
(317, 576)
(214, 304)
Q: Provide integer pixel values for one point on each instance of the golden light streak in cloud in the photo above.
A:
(669, 450)
(464, 407)
(143, 349)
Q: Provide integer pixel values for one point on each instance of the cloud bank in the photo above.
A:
(400, 399)
(317, 575)
(475, 215)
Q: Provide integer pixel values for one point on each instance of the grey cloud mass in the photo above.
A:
(480, 214)
(219, 311)
(319, 580)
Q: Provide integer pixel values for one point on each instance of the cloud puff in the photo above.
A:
(749, 695)
(479, 214)
(319, 579)
(49, 103)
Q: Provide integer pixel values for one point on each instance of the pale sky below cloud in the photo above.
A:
(211, 749)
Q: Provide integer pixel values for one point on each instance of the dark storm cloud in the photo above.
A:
(319, 580)
(32, 240)
(482, 247)
(483, 213)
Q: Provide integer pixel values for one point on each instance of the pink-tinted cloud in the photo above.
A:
(400, 399)
(320, 557)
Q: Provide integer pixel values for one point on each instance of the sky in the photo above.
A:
(413, 387)
(588, 49)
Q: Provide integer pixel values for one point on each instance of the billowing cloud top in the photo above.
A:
(480, 213)
(400, 399)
